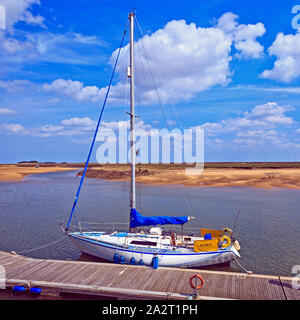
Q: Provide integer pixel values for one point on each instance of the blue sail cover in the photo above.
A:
(138, 220)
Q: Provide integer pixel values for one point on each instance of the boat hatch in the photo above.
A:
(144, 243)
(119, 234)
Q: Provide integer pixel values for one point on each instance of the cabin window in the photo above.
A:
(144, 243)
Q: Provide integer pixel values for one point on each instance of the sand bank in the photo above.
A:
(214, 175)
(14, 172)
(266, 178)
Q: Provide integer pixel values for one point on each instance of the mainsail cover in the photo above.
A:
(138, 220)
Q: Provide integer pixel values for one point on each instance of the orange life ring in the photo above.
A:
(201, 281)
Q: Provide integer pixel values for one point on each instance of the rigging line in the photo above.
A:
(82, 219)
(173, 107)
(96, 131)
(145, 85)
(138, 96)
(175, 112)
(153, 77)
(188, 201)
(154, 84)
(155, 87)
(171, 103)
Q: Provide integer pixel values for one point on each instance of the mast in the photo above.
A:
(132, 117)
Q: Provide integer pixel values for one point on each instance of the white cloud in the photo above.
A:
(75, 90)
(67, 127)
(66, 48)
(269, 114)
(182, 59)
(295, 90)
(186, 59)
(171, 122)
(73, 127)
(14, 128)
(245, 40)
(5, 111)
(20, 47)
(258, 126)
(244, 37)
(227, 22)
(69, 48)
(29, 18)
(18, 10)
(80, 122)
(287, 50)
(13, 86)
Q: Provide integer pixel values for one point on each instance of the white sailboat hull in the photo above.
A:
(138, 247)
(166, 257)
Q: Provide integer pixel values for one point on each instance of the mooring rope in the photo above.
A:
(244, 269)
(40, 247)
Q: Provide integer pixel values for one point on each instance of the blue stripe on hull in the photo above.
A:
(213, 254)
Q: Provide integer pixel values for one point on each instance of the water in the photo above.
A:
(267, 228)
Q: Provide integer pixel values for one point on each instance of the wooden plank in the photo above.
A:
(94, 274)
(142, 282)
(152, 279)
(7, 259)
(290, 292)
(77, 276)
(37, 272)
(168, 281)
(63, 271)
(46, 272)
(182, 285)
(128, 278)
(14, 269)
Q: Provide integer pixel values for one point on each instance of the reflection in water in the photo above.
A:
(267, 228)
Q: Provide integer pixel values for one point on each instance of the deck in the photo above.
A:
(140, 282)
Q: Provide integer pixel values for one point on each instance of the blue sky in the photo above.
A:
(229, 67)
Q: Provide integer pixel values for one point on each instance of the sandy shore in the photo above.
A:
(211, 177)
(14, 172)
(216, 175)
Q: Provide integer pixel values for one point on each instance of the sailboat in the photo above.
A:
(153, 247)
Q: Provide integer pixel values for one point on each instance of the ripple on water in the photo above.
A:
(267, 228)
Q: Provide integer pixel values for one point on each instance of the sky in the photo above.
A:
(231, 68)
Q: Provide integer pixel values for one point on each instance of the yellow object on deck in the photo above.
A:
(227, 230)
(206, 245)
(214, 233)
(227, 243)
